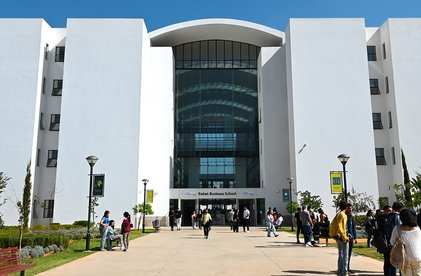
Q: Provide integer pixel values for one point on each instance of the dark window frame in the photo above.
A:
(371, 55)
(52, 158)
(374, 87)
(377, 124)
(384, 50)
(393, 156)
(41, 121)
(390, 119)
(60, 52)
(55, 122)
(380, 158)
(48, 208)
(57, 87)
(386, 81)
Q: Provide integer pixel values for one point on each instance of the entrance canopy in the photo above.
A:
(218, 29)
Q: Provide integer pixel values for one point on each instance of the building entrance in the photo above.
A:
(218, 209)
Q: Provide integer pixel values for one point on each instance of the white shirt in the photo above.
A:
(412, 241)
(246, 214)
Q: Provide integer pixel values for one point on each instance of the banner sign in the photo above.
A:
(149, 196)
(336, 182)
(98, 185)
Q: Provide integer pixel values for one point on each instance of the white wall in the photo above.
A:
(20, 92)
(330, 104)
(100, 115)
(273, 126)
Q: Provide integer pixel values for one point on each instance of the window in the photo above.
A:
(57, 87)
(384, 50)
(43, 85)
(60, 54)
(380, 160)
(41, 121)
(374, 87)
(377, 121)
(371, 53)
(55, 122)
(386, 80)
(48, 208)
(52, 158)
(393, 156)
(46, 51)
(390, 119)
(38, 156)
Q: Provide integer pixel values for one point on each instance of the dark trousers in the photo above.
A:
(231, 224)
(235, 226)
(350, 247)
(246, 223)
(206, 230)
(298, 232)
(388, 268)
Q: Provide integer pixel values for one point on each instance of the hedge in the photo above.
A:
(33, 240)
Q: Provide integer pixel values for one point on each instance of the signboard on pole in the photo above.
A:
(98, 188)
(336, 182)
(149, 196)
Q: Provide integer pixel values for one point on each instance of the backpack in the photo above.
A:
(398, 255)
(380, 241)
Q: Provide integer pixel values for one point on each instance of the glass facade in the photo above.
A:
(216, 118)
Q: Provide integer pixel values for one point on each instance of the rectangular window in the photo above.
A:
(386, 80)
(52, 158)
(393, 156)
(371, 53)
(46, 51)
(41, 121)
(38, 156)
(48, 208)
(60, 54)
(390, 119)
(55, 122)
(374, 87)
(380, 159)
(43, 85)
(384, 50)
(57, 87)
(377, 121)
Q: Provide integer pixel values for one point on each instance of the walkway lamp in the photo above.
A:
(343, 158)
(290, 179)
(91, 161)
(145, 182)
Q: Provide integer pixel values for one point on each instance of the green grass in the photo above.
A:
(74, 252)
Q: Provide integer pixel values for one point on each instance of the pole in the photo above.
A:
(144, 207)
(346, 190)
(290, 203)
(88, 234)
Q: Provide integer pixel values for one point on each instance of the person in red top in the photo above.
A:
(125, 229)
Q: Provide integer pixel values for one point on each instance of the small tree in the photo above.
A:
(292, 206)
(361, 202)
(3, 184)
(407, 184)
(414, 188)
(306, 199)
(138, 210)
(24, 206)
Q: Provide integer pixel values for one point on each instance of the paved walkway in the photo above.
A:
(186, 252)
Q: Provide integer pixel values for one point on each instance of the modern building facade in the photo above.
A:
(216, 113)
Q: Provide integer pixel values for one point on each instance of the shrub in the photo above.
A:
(40, 250)
(39, 227)
(54, 226)
(46, 250)
(82, 223)
(24, 253)
(35, 239)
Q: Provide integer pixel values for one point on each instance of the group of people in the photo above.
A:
(311, 225)
(273, 221)
(235, 218)
(392, 223)
(175, 218)
(109, 234)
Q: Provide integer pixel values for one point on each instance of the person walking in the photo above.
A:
(199, 219)
(193, 219)
(178, 215)
(206, 223)
(231, 219)
(338, 232)
(352, 232)
(236, 221)
(410, 234)
(298, 223)
(307, 225)
(103, 224)
(246, 219)
(370, 227)
(270, 224)
(171, 217)
(126, 228)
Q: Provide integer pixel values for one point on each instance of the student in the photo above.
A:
(338, 232)
(103, 224)
(298, 223)
(178, 215)
(246, 219)
(206, 222)
(126, 229)
(236, 221)
(351, 231)
(193, 219)
(110, 233)
(270, 225)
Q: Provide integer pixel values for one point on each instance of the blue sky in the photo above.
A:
(160, 13)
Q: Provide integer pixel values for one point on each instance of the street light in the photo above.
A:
(290, 179)
(344, 158)
(91, 161)
(145, 181)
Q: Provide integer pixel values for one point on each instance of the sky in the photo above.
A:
(161, 13)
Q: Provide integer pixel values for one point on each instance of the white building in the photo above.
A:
(213, 112)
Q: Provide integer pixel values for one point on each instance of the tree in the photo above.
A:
(414, 188)
(24, 206)
(292, 207)
(407, 183)
(361, 202)
(138, 210)
(3, 184)
(306, 199)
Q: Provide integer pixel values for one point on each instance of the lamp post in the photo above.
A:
(344, 158)
(91, 161)
(290, 179)
(145, 181)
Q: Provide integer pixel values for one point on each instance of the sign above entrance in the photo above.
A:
(217, 193)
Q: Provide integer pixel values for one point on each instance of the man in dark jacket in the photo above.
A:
(351, 231)
(298, 223)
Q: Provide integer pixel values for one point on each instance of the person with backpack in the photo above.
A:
(339, 234)
(410, 235)
(370, 226)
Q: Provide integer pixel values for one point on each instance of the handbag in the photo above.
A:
(398, 255)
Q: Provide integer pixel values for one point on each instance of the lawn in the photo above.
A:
(74, 252)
